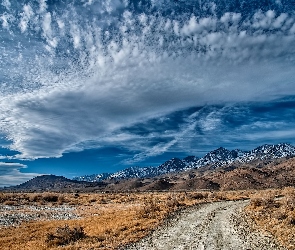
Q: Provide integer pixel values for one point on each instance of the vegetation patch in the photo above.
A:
(274, 211)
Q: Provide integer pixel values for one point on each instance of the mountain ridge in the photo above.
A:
(214, 159)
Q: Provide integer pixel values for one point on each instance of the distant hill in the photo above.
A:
(55, 183)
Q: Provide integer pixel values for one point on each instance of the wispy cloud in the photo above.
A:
(10, 174)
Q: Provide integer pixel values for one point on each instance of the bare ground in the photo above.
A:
(212, 226)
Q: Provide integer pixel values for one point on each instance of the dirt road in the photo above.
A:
(212, 226)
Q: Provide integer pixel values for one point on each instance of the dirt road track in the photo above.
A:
(212, 226)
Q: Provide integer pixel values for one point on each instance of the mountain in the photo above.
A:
(223, 156)
(55, 183)
(93, 177)
(214, 159)
(171, 166)
(268, 152)
(267, 166)
(276, 173)
(219, 157)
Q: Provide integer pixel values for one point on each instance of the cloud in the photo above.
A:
(83, 78)
(6, 4)
(240, 126)
(27, 14)
(10, 174)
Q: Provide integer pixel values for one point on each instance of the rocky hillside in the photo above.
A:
(55, 183)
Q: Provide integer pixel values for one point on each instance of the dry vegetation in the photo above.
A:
(108, 221)
(274, 211)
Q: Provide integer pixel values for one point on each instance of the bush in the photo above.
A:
(266, 201)
(150, 209)
(256, 201)
(198, 196)
(50, 197)
(65, 235)
(291, 220)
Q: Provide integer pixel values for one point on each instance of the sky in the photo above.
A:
(95, 86)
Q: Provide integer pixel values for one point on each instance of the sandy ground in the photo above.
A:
(219, 225)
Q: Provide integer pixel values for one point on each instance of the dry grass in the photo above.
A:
(108, 221)
(274, 211)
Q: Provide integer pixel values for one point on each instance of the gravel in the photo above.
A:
(213, 226)
(15, 215)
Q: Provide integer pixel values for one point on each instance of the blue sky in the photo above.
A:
(97, 86)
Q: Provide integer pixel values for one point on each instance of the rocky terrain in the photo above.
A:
(11, 215)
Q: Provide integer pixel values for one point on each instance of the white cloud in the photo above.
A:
(292, 30)
(42, 5)
(75, 33)
(6, 4)
(278, 23)
(10, 174)
(26, 15)
(263, 20)
(6, 19)
(105, 75)
(47, 31)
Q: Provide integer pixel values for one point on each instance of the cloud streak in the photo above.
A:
(10, 174)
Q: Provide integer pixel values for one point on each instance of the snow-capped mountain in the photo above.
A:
(222, 156)
(219, 157)
(93, 177)
(268, 152)
(214, 159)
(173, 165)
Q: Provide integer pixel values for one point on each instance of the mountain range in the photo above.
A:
(212, 160)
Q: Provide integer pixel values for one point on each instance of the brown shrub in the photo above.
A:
(198, 196)
(172, 203)
(279, 215)
(150, 208)
(3, 197)
(265, 200)
(217, 196)
(64, 236)
(10, 203)
(50, 197)
(35, 198)
(256, 202)
(273, 210)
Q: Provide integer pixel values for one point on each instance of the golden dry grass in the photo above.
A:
(107, 220)
(274, 211)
